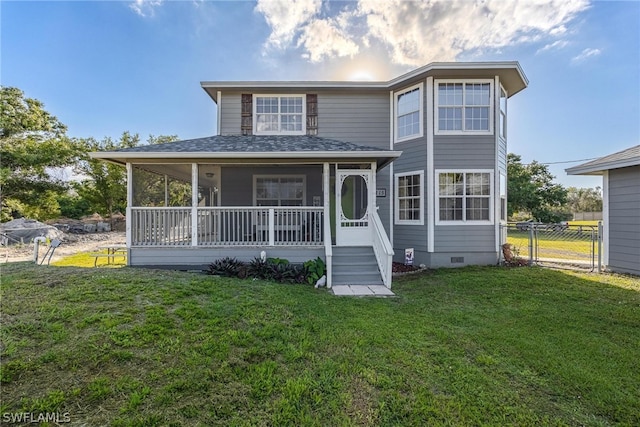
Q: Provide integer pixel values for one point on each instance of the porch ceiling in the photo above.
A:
(254, 149)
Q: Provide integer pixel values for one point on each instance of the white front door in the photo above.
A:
(354, 204)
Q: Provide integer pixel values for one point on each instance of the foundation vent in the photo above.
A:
(457, 259)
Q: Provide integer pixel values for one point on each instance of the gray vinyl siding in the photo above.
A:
(199, 258)
(237, 182)
(357, 117)
(464, 152)
(466, 238)
(414, 158)
(382, 182)
(230, 113)
(624, 220)
(502, 156)
(457, 153)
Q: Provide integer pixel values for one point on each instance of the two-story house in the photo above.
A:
(353, 172)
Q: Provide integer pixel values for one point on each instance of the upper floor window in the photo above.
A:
(464, 197)
(279, 114)
(408, 120)
(503, 114)
(464, 107)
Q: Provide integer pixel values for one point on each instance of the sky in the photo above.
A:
(105, 67)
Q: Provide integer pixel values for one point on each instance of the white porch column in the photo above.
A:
(272, 227)
(328, 250)
(374, 185)
(194, 204)
(129, 218)
(166, 190)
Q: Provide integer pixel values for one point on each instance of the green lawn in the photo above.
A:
(474, 346)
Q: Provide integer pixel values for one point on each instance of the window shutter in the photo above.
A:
(246, 124)
(312, 114)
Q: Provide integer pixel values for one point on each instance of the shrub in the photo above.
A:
(227, 267)
(314, 270)
(259, 269)
(287, 273)
(276, 269)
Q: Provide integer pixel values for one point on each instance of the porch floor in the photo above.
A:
(362, 290)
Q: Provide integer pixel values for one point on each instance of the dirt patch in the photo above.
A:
(71, 244)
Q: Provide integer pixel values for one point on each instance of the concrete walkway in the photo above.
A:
(362, 290)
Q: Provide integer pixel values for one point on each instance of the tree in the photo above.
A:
(105, 185)
(584, 199)
(32, 143)
(531, 189)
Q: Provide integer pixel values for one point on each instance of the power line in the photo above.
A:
(565, 161)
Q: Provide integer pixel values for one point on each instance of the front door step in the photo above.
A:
(362, 290)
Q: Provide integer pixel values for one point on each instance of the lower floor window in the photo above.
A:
(464, 196)
(279, 190)
(409, 200)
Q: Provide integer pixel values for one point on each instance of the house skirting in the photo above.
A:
(196, 258)
(449, 259)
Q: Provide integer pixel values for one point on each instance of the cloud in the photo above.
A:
(414, 32)
(585, 54)
(558, 44)
(145, 8)
(286, 18)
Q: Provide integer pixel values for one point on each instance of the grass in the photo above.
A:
(472, 346)
(85, 260)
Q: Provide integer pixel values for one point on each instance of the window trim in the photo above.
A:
(463, 131)
(254, 112)
(396, 96)
(396, 200)
(502, 120)
(491, 197)
(279, 176)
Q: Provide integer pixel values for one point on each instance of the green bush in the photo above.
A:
(275, 269)
(314, 270)
(227, 267)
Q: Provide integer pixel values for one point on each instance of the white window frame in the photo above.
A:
(502, 120)
(396, 201)
(464, 82)
(503, 198)
(464, 221)
(397, 95)
(279, 176)
(303, 131)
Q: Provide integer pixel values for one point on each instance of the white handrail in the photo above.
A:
(382, 249)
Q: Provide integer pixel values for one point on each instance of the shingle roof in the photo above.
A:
(621, 159)
(241, 149)
(251, 144)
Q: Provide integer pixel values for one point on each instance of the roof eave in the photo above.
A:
(382, 158)
(598, 169)
(211, 87)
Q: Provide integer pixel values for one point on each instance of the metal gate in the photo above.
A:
(576, 246)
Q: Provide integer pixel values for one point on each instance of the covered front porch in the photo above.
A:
(184, 211)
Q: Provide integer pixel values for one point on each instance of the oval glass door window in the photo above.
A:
(354, 197)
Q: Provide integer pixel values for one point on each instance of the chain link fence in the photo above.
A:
(557, 245)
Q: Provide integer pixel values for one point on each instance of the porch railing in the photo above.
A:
(229, 226)
(382, 249)
(161, 226)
